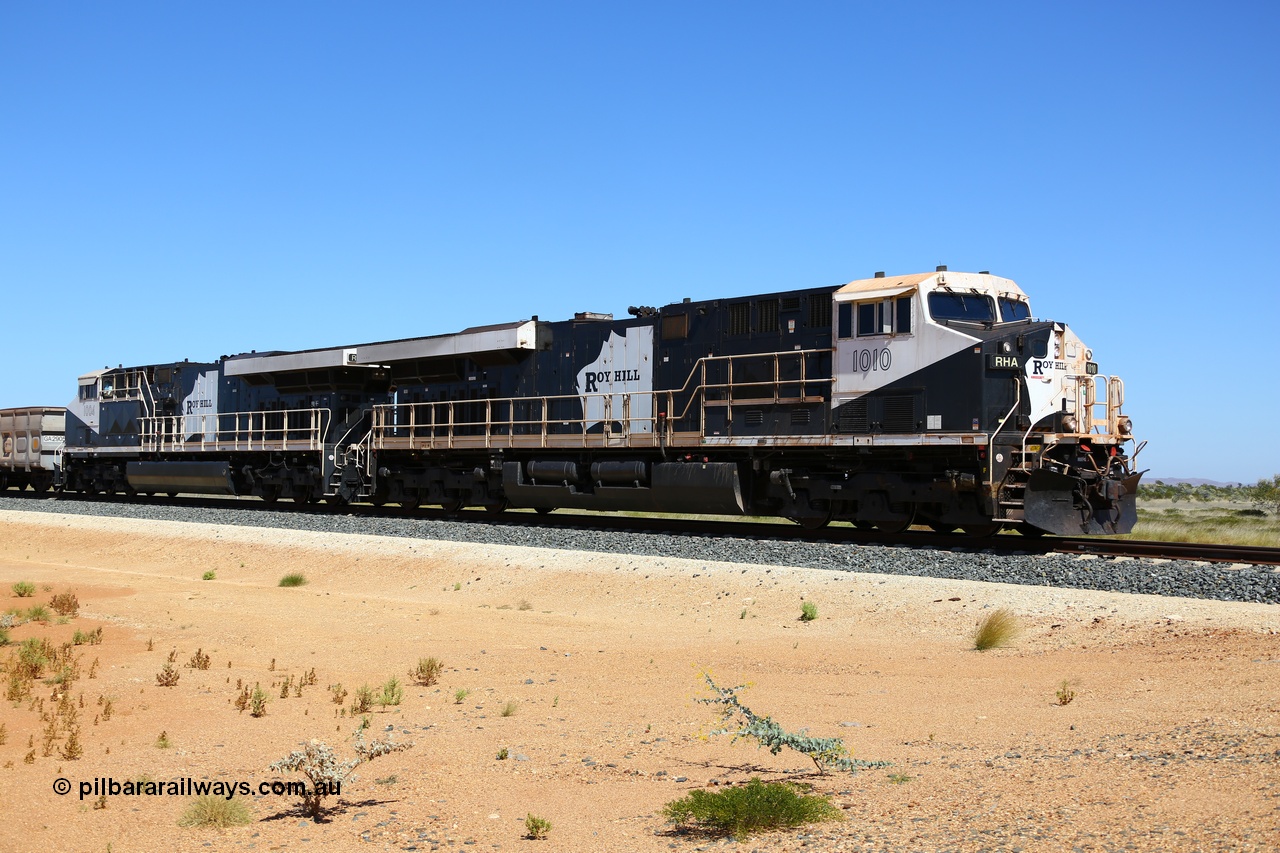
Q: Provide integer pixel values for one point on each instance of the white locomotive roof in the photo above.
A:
(506, 336)
(885, 287)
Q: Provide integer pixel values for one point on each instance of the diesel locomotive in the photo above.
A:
(933, 399)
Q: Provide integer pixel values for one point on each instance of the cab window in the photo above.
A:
(1012, 310)
(968, 307)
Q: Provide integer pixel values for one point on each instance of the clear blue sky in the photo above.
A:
(188, 180)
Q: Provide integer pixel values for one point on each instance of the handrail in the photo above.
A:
(254, 430)
(443, 428)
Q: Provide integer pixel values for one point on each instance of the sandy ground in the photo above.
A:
(1172, 741)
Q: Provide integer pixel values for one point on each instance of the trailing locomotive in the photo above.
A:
(891, 401)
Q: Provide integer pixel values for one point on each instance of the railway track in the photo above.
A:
(776, 531)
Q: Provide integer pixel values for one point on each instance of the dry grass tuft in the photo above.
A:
(998, 629)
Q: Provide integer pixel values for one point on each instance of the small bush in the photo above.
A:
(39, 613)
(525, 604)
(163, 741)
(4, 637)
(392, 692)
(754, 807)
(339, 694)
(808, 611)
(71, 750)
(294, 579)
(362, 701)
(216, 811)
(258, 702)
(428, 671)
(460, 694)
(66, 604)
(323, 771)
(1065, 694)
(535, 827)
(24, 589)
(199, 660)
(825, 752)
(167, 677)
(503, 754)
(211, 575)
(998, 629)
(510, 708)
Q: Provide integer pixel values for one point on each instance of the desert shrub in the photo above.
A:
(293, 579)
(826, 753)
(210, 575)
(510, 708)
(258, 702)
(216, 811)
(71, 750)
(536, 827)
(199, 660)
(163, 742)
(392, 692)
(427, 671)
(167, 677)
(808, 611)
(525, 604)
(324, 773)
(362, 702)
(339, 694)
(38, 613)
(65, 603)
(4, 637)
(503, 754)
(460, 694)
(33, 656)
(997, 629)
(1065, 694)
(754, 807)
(24, 589)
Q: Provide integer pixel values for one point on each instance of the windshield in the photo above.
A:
(1014, 309)
(970, 307)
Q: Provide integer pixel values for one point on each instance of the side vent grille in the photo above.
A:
(754, 417)
(899, 414)
(800, 417)
(853, 417)
(819, 312)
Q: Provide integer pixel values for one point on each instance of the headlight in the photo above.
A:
(1124, 426)
(1069, 423)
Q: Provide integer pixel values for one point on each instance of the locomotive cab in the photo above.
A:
(948, 358)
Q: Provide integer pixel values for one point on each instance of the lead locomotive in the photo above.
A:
(890, 401)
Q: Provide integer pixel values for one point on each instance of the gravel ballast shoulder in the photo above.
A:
(1259, 584)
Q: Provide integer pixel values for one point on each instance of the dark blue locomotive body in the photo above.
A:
(931, 398)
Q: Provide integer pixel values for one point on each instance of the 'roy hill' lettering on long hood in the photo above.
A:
(623, 367)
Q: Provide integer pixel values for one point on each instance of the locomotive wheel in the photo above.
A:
(496, 508)
(1029, 530)
(411, 501)
(864, 525)
(172, 494)
(270, 494)
(451, 506)
(939, 527)
(544, 510)
(813, 522)
(304, 495)
(895, 526)
(982, 531)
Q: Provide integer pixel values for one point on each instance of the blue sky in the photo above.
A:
(192, 180)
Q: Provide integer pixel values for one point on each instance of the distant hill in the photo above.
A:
(1190, 481)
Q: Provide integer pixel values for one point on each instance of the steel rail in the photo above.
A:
(1009, 543)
